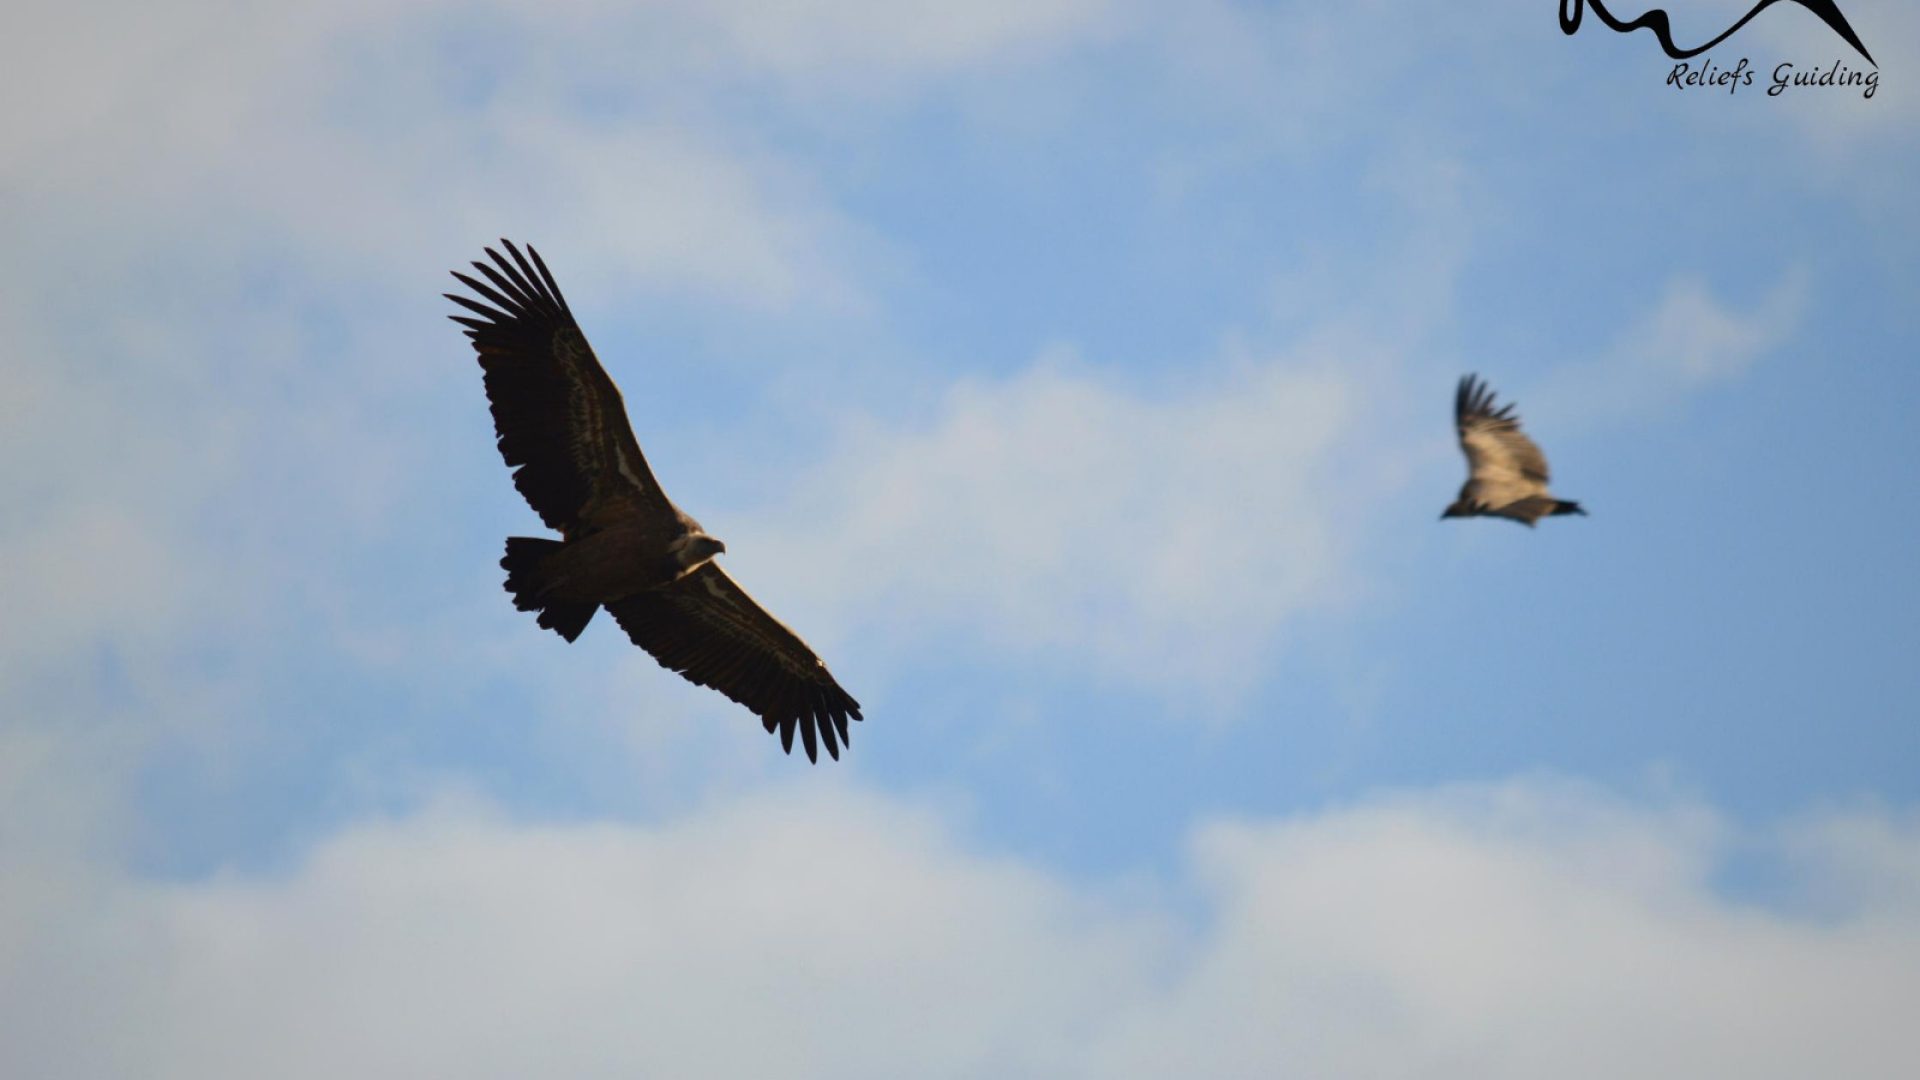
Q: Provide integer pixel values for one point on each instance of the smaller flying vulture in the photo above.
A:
(1506, 472)
(623, 544)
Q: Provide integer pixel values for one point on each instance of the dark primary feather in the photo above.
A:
(559, 417)
(1474, 400)
(710, 631)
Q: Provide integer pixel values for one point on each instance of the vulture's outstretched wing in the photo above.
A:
(558, 415)
(1498, 453)
(708, 629)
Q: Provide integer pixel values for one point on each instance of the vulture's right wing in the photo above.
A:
(557, 412)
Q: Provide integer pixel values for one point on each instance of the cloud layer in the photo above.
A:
(1532, 928)
(1163, 533)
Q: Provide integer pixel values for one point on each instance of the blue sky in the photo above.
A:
(1076, 375)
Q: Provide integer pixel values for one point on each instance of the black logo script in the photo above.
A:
(1656, 20)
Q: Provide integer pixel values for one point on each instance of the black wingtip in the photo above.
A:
(810, 739)
(553, 287)
(520, 289)
(505, 299)
(478, 308)
(1475, 398)
(823, 720)
(821, 724)
(524, 297)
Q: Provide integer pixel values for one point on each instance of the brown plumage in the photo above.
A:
(1506, 473)
(624, 546)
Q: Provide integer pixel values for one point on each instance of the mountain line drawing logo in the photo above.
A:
(1656, 20)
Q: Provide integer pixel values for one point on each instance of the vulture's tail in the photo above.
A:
(523, 561)
(1563, 506)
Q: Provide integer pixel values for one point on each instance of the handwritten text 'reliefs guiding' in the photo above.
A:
(1685, 75)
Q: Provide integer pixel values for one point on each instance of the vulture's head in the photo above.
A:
(695, 548)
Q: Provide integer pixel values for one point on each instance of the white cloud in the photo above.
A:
(1157, 533)
(96, 553)
(865, 40)
(742, 942)
(1690, 340)
(357, 130)
(1526, 929)
(1529, 930)
(1696, 340)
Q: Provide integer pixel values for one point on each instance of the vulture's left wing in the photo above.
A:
(1497, 450)
(708, 629)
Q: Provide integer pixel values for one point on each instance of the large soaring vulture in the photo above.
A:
(624, 546)
(1506, 472)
